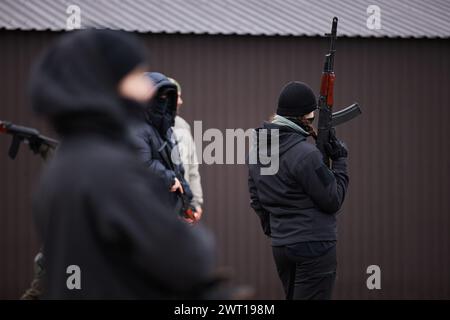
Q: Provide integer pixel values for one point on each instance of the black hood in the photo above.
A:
(162, 109)
(77, 77)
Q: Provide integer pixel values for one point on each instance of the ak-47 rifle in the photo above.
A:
(327, 119)
(38, 143)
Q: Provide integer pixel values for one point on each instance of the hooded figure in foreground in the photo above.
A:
(107, 229)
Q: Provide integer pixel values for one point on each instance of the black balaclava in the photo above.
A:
(162, 108)
(75, 82)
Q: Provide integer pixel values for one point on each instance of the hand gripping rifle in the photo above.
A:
(327, 119)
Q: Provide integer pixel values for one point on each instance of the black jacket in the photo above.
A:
(98, 208)
(299, 202)
(156, 152)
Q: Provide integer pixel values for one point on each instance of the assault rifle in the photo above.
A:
(327, 119)
(38, 143)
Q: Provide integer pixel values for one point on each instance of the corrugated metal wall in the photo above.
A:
(396, 214)
(17, 238)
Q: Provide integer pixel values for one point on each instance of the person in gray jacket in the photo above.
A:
(188, 154)
(298, 204)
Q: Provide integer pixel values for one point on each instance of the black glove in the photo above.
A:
(335, 149)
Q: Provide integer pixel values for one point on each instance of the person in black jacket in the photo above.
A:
(156, 144)
(109, 230)
(298, 204)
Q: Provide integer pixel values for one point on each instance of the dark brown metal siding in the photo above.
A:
(396, 214)
(17, 238)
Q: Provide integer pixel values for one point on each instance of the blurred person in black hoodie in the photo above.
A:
(97, 208)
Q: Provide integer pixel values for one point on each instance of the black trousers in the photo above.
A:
(306, 278)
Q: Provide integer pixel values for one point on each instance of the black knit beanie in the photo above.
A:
(296, 99)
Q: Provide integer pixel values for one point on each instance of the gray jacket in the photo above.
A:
(188, 153)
